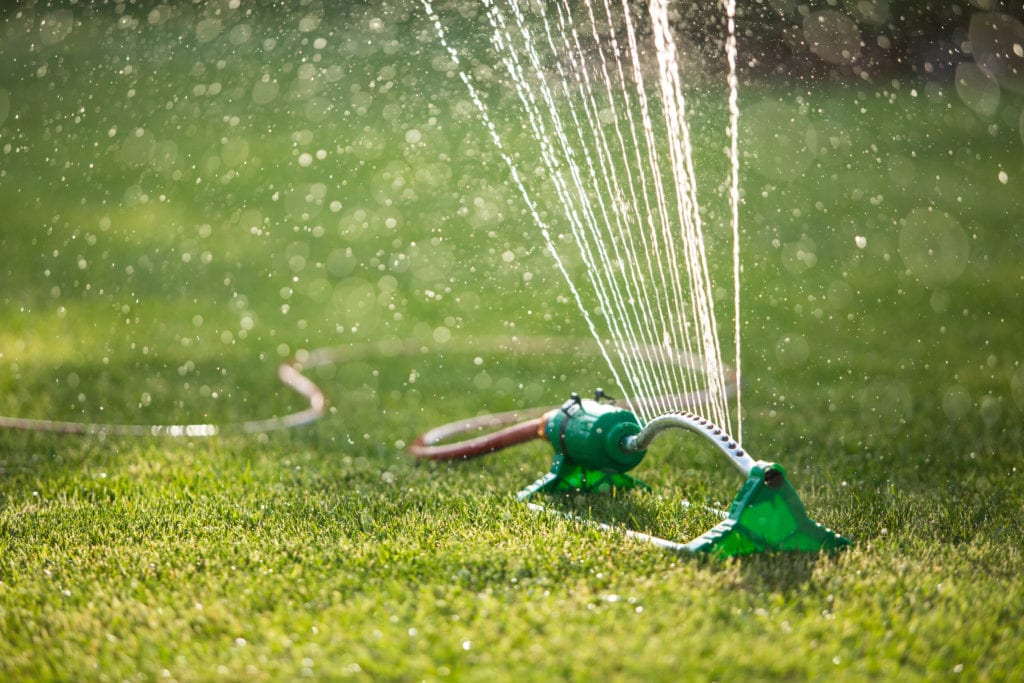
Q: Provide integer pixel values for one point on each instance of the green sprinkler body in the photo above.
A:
(596, 443)
(587, 436)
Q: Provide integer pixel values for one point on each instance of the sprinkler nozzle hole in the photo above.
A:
(773, 478)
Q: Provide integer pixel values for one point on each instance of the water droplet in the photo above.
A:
(995, 39)
(308, 23)
(265, 90)
(56, 26)
(781, 142)
(860, 241)
(792, 350)
(956, 403)
(240, 34)
(412, 136)
(208, 29)
(977, 89)
(1017, 387)
(5, 105)
(234, 151)
(933, 246)
(833, 36)
(1003, 177)
(991, 408)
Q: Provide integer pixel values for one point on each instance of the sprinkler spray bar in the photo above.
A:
(697, 424)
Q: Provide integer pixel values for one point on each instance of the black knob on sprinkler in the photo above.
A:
(599, 396)
(773, 478)
(573, 404)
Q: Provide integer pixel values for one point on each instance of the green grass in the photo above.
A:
(894, 404)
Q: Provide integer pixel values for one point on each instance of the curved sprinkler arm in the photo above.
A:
(694, 423)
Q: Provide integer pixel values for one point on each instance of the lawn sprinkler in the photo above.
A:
(598, 442)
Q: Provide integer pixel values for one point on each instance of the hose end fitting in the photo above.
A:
(592, 435)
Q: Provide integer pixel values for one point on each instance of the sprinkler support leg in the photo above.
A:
(767, 515)
(568, 476)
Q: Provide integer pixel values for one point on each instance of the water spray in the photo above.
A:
(652, 284)
(597, 443)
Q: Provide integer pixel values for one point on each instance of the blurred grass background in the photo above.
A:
(191, 195)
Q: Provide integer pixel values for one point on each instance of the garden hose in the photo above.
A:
(516, 427)
(291, 375)
(514, 430)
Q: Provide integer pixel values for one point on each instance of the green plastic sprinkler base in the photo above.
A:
(566, 476)
(767, 515)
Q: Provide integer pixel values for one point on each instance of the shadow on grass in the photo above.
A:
(665, 517)
(779, 572)
(775, 572)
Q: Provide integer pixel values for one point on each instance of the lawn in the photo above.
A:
(190, 197)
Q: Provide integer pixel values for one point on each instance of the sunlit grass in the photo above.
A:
(894, 404)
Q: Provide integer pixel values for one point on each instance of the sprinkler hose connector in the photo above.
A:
(588, 438)
(592, 434)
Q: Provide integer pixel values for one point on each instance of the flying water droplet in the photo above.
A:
(933, 246)
(833, 36)
(977, 89)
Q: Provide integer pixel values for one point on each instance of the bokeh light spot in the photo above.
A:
(977, 89)
(933, 246)
(833, 36)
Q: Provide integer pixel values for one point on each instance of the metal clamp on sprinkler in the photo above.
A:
(597, 442)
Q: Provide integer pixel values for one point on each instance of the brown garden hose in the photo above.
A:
(288, 372)
(513, 427)
(426, 446)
